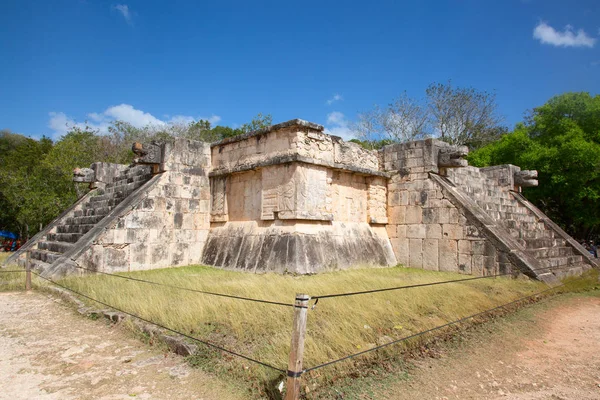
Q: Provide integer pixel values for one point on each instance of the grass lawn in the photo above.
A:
(336, 327)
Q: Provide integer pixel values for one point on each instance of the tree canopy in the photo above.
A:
(457, 115)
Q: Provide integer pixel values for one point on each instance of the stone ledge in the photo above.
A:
(276, 160)
(272, 128)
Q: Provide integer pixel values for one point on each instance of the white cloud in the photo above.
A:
(60, 123)
(567, 38)
(338, 125)
(126, 112)
(124, 10)
(336, 97)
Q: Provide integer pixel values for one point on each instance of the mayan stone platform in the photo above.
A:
(293, 199)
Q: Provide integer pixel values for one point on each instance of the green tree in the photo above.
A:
(560, 139)
(260, 121)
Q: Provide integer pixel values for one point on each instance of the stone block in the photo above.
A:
(433, 231)
(391, 231)
(401, 231)
(430, 254)
(478, 247)
(119, 236)
(464, 263)
(414, 215)
(415, 253)
(477, 265)
(397, 215)
(448, 251)
(116, 258)
(452, 231)
(400, 247)
(464, 247)
(416, 231)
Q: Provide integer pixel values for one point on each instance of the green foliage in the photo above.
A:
(561, 140)
(36, 175)
(259, 122)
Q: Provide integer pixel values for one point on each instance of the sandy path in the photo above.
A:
(47, 351)
(548, 354)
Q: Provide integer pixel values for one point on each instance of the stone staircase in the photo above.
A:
(70, 230)
(540, 241)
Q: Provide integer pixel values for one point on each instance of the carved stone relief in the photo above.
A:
(218, 192)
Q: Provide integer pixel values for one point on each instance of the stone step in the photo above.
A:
(524, 225)
(93, 219)
(521, 217)
(96, 205)
(103, 197)
(546, 252)
(45, 256)
(38, 265)
(544, 242)
(558, 262)
(55, 247)
(82, 228)
(88, 212)
(64, 237)
(571, 270)
(531, 234)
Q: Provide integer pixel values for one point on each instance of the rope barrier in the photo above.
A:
(15, 270)
(426, 331)
(165, 327)
(327, 296)
(190, 289)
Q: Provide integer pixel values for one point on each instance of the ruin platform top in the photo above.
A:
(271, 128)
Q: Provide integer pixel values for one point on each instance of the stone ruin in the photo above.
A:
(290, 198)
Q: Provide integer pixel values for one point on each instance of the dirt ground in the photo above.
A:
(48, 351)
(550, 351)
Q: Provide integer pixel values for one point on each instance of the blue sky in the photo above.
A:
(67, 61)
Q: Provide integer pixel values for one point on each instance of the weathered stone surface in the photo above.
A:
(296, 249)
(452, 156)
(526, 178)
(147, 153)
(291, 198)
(84, 175)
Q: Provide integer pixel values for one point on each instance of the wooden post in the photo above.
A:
(297, 351)
(27, 272)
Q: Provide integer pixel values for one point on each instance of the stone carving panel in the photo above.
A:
(526, 178)
(84, 175)
(147, 153)
(377, 201)
(452, 156)
(348, 153)
(218, 192)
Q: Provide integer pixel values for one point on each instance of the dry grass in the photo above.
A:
(11, 280)
(336, 327)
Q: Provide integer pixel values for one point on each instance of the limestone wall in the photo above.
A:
(168, 224)
(295, 140)
(290, 198)
(425, 228)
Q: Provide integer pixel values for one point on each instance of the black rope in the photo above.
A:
(165, 327)
(15, 270)
(326, 296)
(191, 290)
(427, 331)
